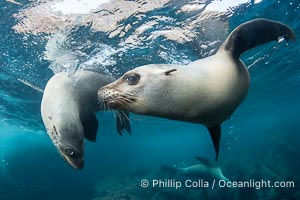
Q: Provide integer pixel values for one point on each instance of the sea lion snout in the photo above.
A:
(79, 164)
(73, 156)
(109, 96)
(106, 93)
(76, 163)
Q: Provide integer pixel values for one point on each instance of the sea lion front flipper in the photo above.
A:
(90, 128)
(215, 134)
(123, 123)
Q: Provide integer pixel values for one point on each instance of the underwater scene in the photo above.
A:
(129, 152)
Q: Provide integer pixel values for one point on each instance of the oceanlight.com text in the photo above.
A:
(257, 184)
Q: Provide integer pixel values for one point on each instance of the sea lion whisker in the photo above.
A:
(126, 99)
(122, 100)
(104, 106)
(120, 118)
(125, 116)
(119, 101)
(132, 95)
(101, 103)
(113, 113)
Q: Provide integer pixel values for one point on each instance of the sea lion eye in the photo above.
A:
(132, 79)
(70, 152)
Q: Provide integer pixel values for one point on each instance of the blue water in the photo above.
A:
(260, 141)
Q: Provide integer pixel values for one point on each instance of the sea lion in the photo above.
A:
(68, 111)
(204, 169)
(206, 91)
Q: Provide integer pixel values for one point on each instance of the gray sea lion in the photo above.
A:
(206, 91)
(68, 111)
(204, 169)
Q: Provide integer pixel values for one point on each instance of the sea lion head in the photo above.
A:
(68, 140)
(140, 90)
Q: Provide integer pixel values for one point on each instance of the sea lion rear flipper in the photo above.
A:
(204, 161)
(215, 134)
(254, 33)
(90, 128)
(123, 123)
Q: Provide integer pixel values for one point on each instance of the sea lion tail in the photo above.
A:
(254, 33)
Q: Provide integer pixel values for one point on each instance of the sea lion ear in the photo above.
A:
(170, 71)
